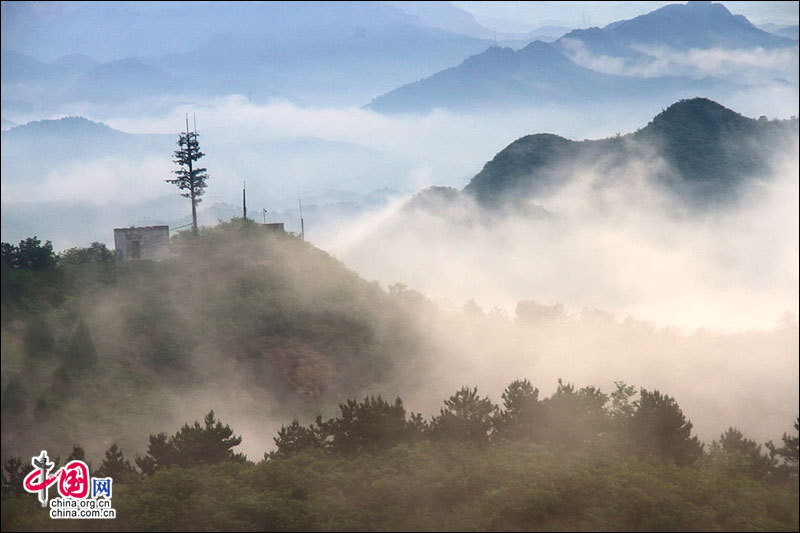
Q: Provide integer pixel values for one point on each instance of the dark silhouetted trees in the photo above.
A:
(295, 438)
(522, 416)
(14, 472)
(365, 426)
(787, 470)
(30, 254)
(575, 417)
(160, 454)
(95, 253)
(115, 466)
(465, 417)
(658, 426)
(194, 445)
(368, 425)
(742, 454)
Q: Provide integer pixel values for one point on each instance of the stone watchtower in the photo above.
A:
(145, 242)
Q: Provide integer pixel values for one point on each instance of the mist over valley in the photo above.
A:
(587, 235)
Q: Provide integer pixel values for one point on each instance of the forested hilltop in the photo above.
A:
(260, 323)
(699, 150)
(272, 333)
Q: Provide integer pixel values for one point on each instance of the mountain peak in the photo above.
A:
(71, 126)
(697, 113)
(708, 150)
(694, 25)
(707, 5)
(66, 122)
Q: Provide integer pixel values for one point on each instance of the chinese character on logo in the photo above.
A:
(41, 466)
(74, 480)
(101, 486)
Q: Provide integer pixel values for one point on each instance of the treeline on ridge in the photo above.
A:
(236, 307)
(578, 458)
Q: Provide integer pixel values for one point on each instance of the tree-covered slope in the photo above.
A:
(256, 322)
(707, 151)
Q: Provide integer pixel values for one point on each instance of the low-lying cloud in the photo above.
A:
(624, 246)
(750, 66)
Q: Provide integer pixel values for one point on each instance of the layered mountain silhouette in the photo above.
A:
(328, 53)
(32, 150)
(537, 74)
(565, 72)
(692, 25)
(701, 152)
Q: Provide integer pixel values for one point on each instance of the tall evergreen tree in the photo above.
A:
(116, 466)
(295, 438)
(193, 445)
(190, 179)
(369, 425)
(575, 417)
(658, 426)
(522, 414)
(466, 417)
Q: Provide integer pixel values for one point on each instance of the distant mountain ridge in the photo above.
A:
(697, 24)
(709, 150)
(31, 150)
(307, 52)
(543, 73)
(540, 73)
(72, 125)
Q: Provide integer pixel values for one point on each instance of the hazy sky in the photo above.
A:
(526, 16)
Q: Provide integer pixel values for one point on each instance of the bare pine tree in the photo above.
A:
(190, 179)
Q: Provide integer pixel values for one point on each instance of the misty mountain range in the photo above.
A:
(33, 150)
(535, 75)
(542, 73)
(56, 62)
(684, 26)
(308, 52)
(707, 150)
(341, 53)
(790, 32)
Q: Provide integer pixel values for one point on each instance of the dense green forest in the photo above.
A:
(577, 460)
(263, 327)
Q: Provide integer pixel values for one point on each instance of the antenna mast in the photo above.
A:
(244, 200)
(302, 226)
